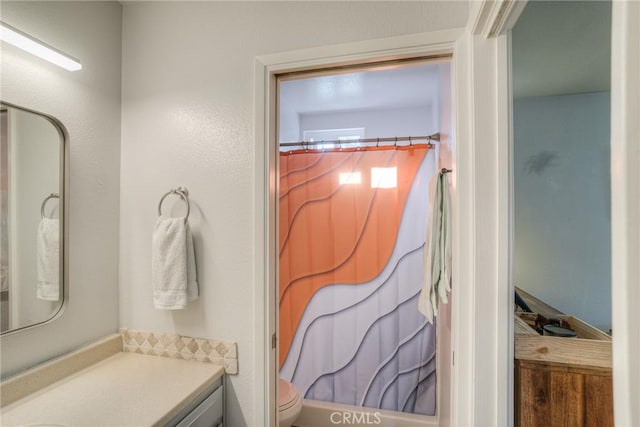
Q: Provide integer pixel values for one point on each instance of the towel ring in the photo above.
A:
(183, 193)
(44, 203)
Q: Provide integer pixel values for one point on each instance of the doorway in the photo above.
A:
(561, 62)
(357, 150)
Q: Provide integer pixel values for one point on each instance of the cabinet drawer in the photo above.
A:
(206, 414)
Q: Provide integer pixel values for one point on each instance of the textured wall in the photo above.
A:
(187, 119)
(377, 123)
(88, 103)
(562, 206)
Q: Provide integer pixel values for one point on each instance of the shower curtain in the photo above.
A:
(352, 227)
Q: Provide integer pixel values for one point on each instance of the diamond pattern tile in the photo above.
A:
(220, 353)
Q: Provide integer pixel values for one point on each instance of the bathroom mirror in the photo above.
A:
(32, 165)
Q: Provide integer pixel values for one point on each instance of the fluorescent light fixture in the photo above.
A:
(384, 177)
(35, 47)
(350, 178)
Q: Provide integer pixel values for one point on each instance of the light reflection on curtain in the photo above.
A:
(351, 234)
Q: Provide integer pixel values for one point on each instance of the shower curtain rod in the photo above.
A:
(395, 140)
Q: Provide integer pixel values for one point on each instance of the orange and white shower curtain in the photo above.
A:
(351, 239)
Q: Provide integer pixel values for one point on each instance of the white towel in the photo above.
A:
(437, 253)
(173, 264)
(48, 260)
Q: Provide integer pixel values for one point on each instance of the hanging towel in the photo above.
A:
(437, 254)
(173, 264)
(48, 260)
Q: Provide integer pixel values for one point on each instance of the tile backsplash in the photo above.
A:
(220, 353)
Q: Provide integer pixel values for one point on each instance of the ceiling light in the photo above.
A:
(35, 47)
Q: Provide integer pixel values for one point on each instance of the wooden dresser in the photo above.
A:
(562, 381)
(554, 394)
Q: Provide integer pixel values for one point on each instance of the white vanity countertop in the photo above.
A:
(126, 389)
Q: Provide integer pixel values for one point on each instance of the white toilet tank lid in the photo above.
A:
(287, 393)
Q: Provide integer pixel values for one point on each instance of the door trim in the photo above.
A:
(625, 210)
(447, 42)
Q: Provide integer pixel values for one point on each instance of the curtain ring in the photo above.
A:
(378, 143)
(410, 142)
(44, 203)
(395, 144)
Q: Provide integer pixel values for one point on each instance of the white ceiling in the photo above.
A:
(559, 47)
(562, 47)
(401, 87)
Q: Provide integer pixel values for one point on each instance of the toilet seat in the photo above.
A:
(288, 395)
(289, 403)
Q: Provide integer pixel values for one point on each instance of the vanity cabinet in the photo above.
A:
(126, 389)
(205, 411)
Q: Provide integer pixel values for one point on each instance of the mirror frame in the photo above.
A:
(63, 209)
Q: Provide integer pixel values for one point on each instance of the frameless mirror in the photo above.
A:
(31, 217)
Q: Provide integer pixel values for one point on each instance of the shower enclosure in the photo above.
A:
(352, 225)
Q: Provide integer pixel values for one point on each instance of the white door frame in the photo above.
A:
(479, 381)
(625, 210)
(493, 20)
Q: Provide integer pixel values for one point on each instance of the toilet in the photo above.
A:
(289, 403)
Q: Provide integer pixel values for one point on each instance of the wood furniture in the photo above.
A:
(562, 381)
(535, 304)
